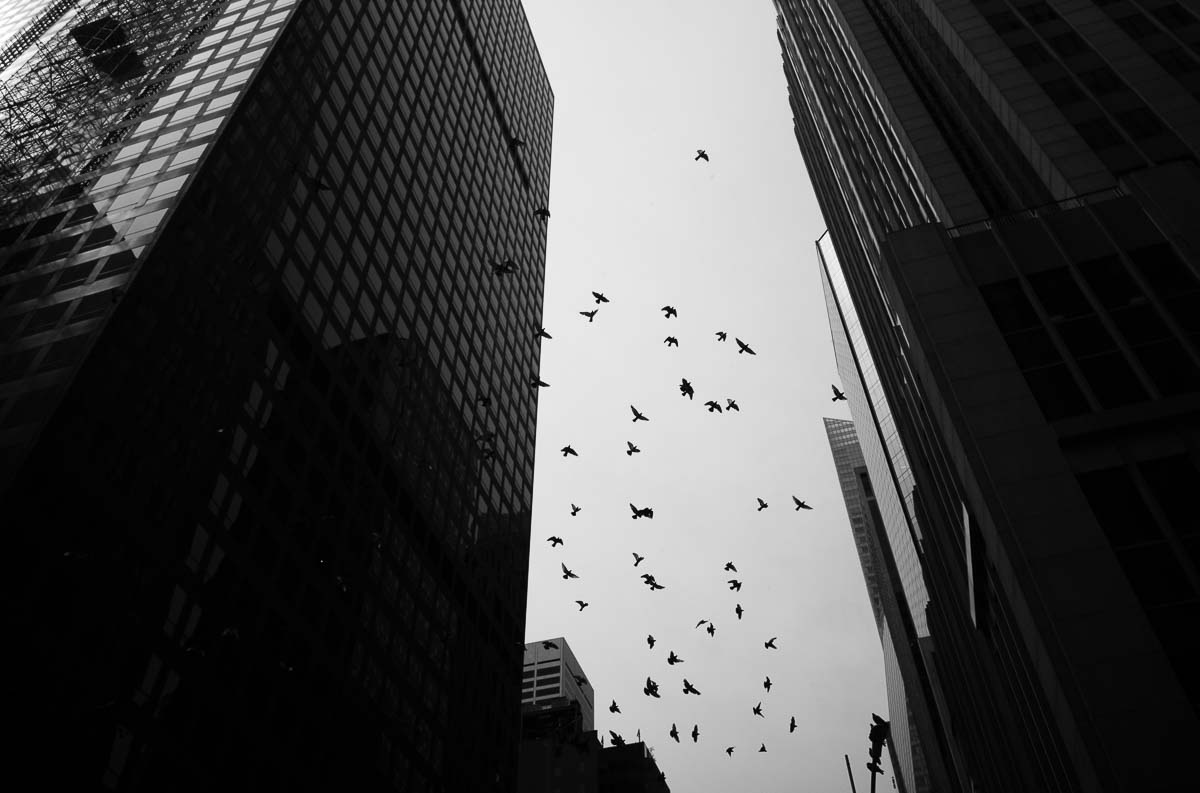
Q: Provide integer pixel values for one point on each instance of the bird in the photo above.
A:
(758, 710)
(669, 311)
(767, 684)
(695, 733)
(575, 510)
(637, 415)
(731, 404)
(744, 347)
(650, 641)
(654, 585)
(506, 267)
(674, 732)
(580, 680)
(535, 382)
(542, 212)
(762, 748)
(729, 750)
(644, 512)
(637, 559)
(739, 610)
(549, 645)
(688, 688)
(838, 396)
(673, 659)
(632, 450)
(721, 335)
(542, 334)
(617, 740)
(712, 629)
(685, 388)
(517, 142)
(613, 708)
(567, 573)
(582, 605)
(554, 541)
(770, 643)
(701, 154)
(671, 341)
(713, 405)
(792, 726)
(701, 622)
(568, 450)
(734, 584)
(591, 315)
(800, 504)
(600, 298)
(730, 567)
(651, 689)
(761, 504)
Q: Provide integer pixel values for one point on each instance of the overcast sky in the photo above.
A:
(639, 86)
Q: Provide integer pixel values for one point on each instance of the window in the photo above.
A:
(1059, 294)
(1119, 507)
(1056, 392)
(1112, 379)
(1009, 306)
(1110, 281)
(1099, 134)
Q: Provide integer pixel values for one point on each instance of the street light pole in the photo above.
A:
(850, 774)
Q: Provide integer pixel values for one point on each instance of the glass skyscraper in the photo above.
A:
(266, 421)
(1013, 271)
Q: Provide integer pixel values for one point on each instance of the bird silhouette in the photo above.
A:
(535, 382)
(688, 688)
(582, 605)
(762, 748)
(674, 732)
(701, 154)
(739, 611)
(506, 267)
(792, 726)
(838, 396)
(613, 708)
(554, 541)
(721, 335)
(654, 585)
(744, 347)
(731, 404)
(632, 450)
(713, 406)
(651, 689)
(712, 629)
(770, 643)
(650, 641)
(568, 450)
(800, 504)
(567, 573)
(729, 750)
(617, 740)
(758, 710)
(542, 213)
(600, 298)
(767, 684)
(575, 510)
(701, 622)
(580, 680)
(644, 512)
(669, 311)
(591, 315)
(637, 416)
(695, 733)
(637, 559)
(548, 645)
(671, 341)
(673, 659)
(517, 142)
(542, 334)
(730, 567)
(761, 505)
(685, 388)
(734, 584)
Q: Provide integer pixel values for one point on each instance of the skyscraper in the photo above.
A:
(266, 423)
(552, 675)
(1013, 262)
(559, 748)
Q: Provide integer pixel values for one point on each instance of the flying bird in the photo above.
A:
(651, 689)
(695, 733)
(674, 732)
(506, 267)
(591, 315)
(617, 740)
(701, 622)
(800, 504)
(580, 680)
(582, 605)
(568, 450)
(770, 643)
(632, 450)
(613, 707)
(730, 567)
(712, 629)
(554, 541)
(688, 688)
(761, 505)
(721, 335)
(534, 382)
(792, 726)
(673, 659)
(734, 584)
(542, 213)
(650, 641)
(685, 388)
(517, 142)
(575, 510)
(701, 154)
(644, 512)
(731, 404)
(542, 334)
(567, 573)
(762, 748)
(637, 416)
(654, 585)
(744, 347)
(713, 405)
(729, 750)
(767, 684)
(739, 610)
(838, 396)
(600, 298)
(671, 341)
(758, 710)
(637, 559)
(669, 311)
(548, 645)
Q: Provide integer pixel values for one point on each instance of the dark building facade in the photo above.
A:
(266, 428)
(1013, 260)
(630, 769)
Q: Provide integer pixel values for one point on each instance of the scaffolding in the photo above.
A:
(88, 69)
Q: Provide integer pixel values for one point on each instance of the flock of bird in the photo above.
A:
(651, 687)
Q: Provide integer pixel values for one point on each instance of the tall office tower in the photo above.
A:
(559, 748)
(266, 423)
(1012, 256)
(552, 677)
(912, 742)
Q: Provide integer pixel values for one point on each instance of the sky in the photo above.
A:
(640, 85)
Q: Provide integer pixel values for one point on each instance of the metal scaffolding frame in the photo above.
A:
(91, 70)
